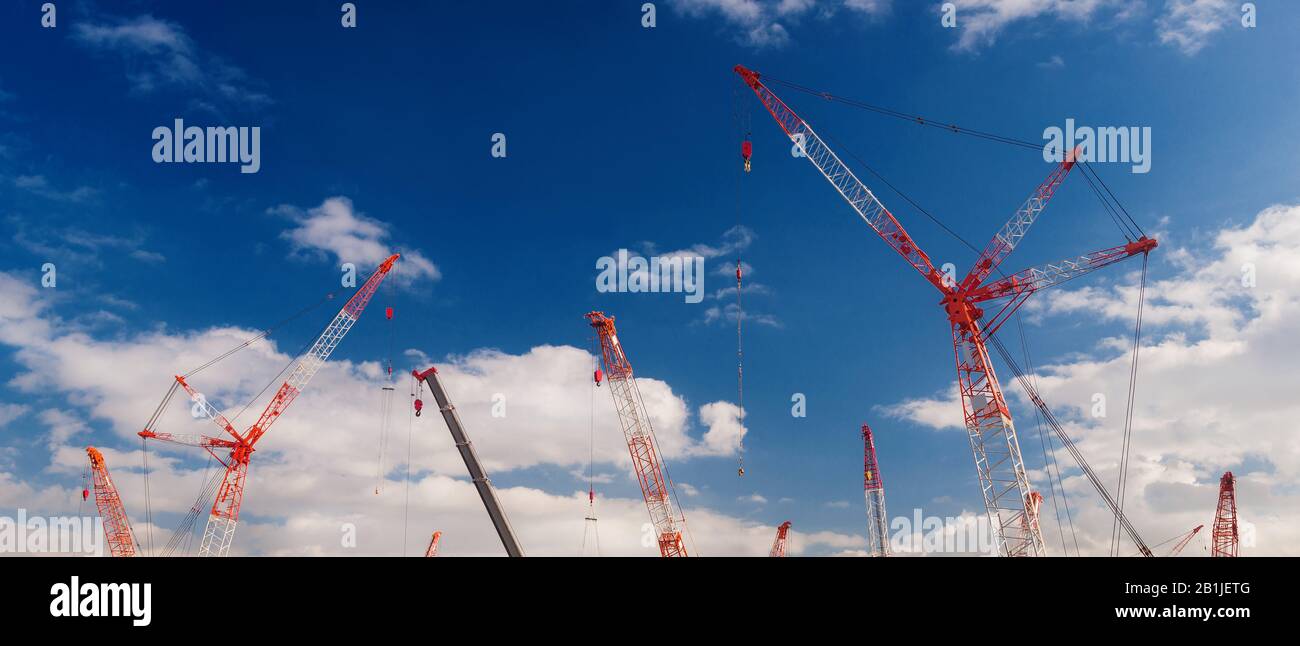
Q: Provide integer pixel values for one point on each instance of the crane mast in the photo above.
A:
(632, 415)
(1223, 537)
(873, 488)
(1008, 497)
(117, 527)
(432, 550)
(782, 539)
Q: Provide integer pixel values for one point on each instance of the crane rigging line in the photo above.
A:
(1041, 409)
(1052, 482)
(261, 335)
(1055, 424)
(1128, 415)
(1122, 215)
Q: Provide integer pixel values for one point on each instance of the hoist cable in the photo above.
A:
(956, 129)
(1042, 441)
(1128, 413)
(1068, 443)
(261, 335)
(410, 426)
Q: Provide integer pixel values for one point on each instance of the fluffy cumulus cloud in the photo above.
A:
(1216, 389)
(1189, 24)
(320, 472)
(765, 23)
(336, 229)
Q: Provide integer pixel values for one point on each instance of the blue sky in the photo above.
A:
(618, 136)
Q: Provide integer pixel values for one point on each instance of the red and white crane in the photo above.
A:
(1008, 496)
(224, 516)
(117, 527)
(432, 550)
(873, 489)
(1223, 538)
(641, 444)
(782, 539)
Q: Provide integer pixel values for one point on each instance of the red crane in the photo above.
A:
(1223, 538)
(1008, 497)
(873, 489)
(433, 545)
(782, 538)
(1186, 538)
(117, 527)
(220, 530)
(641, 444)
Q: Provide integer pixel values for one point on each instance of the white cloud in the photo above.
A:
(11, 412)
(1215, 390)
(158, 53)
(1189, 24)
(1053, 63)
(38, 185)
(765, 23)
(316, 470)
(981, 22)
(336, 228)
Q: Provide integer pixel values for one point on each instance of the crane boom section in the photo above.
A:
(1006, 239)
(635, 420)
(220, 530)
(320, 351)
(476, 471)
(117, 527)
(863, 201)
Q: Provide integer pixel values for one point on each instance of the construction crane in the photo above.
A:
(477, 473)
(224, 516)
(641, 444)
(873, 489)
(782, 538)
(1004, 484)
(1186, 538)
(1223, 538)
(432, 550)
(117, 527)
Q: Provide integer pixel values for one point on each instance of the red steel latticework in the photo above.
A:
(433, 545)
(1223, 539)
(117, 527)
(224, 517)
(873, 490)
(632, 415)
(1004, 484)
(782, 539)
